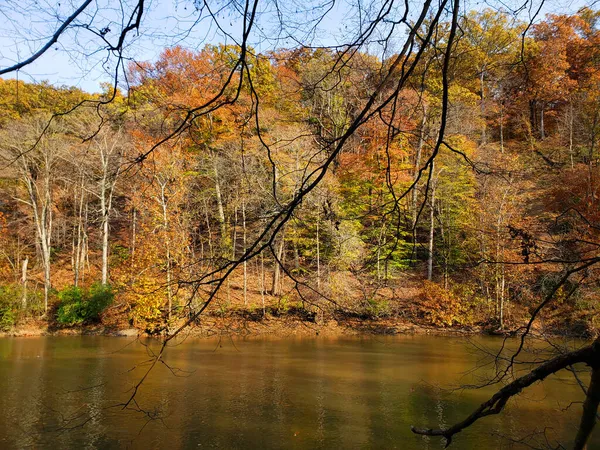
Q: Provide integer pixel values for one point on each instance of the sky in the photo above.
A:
(78, 58)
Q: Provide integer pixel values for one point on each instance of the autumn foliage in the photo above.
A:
(201, 153)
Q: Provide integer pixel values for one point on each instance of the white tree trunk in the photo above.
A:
(24, 283)
(431, 232)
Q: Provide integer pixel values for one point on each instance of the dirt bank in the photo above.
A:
(239, 324)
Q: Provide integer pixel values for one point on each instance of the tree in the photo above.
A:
(37, 152)
(214, 101)
(111, 146)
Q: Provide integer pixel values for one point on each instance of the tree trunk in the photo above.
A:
(482, 106)
(590, 410)
(431, 232)
(78, 246)
(502, 287)
(107, 186)
(24, 283)
(47, 279)
(218, 197)
(105, 231)
(446, 247)
(133, 231)
(379, 244)
(233, 250)
(571, 133)
(500, 275)
(417, 165)
(164, 205)
(85, 254)
(244, 232)
(318, 258)
(542, 131)
(208, 229)
(276, 288)
(501, 127)
(532, 117)
(262, 281)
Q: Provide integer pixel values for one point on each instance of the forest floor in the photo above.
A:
(400, 308)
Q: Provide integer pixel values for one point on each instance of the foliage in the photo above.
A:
(8, 307)
(447, 307)
(11, 305)
(377, 308)
(514, 181)
(77, 305)
(146, 300)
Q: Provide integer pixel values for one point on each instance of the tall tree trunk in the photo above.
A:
(378, 254)
(85, 254)
(164, 205)
(208, 229)
(417, 166)
(499, 275)
(41, 207)
(431, 231)
(276, 285)
(262, 281)
(501, 127)
(233, 250)
(446, 246)
(318, 257)
(592, 185)
(542, 130)
(133, 231)
(218, 196)
(108, 154)
(532, 117)
(78, 245)
(24, 283)
(502, 289)
(571, 133)
(244, 231)
(482, 106)
(105, 231)
(47, 232)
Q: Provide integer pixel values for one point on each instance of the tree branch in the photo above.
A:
(50, 43)
(589, 355)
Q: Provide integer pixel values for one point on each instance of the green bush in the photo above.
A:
(377, 308)
(7, 318)
(78, 306)
(9, 303)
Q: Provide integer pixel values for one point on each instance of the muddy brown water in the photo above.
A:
(309, 393)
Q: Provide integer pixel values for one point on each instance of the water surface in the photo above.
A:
(351, 393)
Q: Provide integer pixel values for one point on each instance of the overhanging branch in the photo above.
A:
(589, 355)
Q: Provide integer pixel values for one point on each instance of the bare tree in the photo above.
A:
(37, 170)
(411, 44)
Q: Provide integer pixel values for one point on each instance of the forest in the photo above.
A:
(293, 167)
(95, 227)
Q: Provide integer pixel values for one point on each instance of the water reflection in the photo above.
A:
(305, 393)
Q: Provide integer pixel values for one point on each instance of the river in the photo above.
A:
(309, 393)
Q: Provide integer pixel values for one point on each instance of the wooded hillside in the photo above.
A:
(122, 211)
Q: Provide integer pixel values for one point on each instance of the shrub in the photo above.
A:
(446, 308)
(78, 306)
(9, 303)
(377, 308)
(7, 318)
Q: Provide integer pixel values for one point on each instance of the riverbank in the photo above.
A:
(404, 309)
(238, 324)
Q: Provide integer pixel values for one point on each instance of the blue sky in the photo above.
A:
(75, 59)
